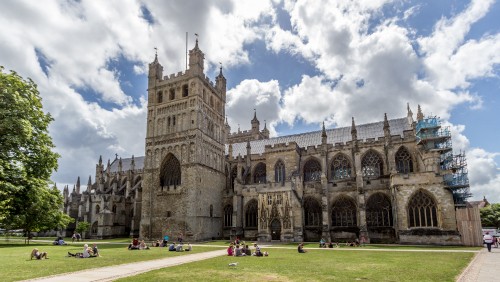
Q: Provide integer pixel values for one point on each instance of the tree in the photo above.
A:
(82, 227)
(490, 216)
(26, 159)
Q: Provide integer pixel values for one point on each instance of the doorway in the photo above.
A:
(275, 230)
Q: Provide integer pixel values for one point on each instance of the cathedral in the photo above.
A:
(392, 181)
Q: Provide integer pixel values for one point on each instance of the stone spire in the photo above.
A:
(420, 115)
(89, 184)
(100, 159)
(265, 131)
(387, 128)
(132, 163)
(78, 185)
(120, 165)
(354, 131)
(323, 134)
(220, 83)
(409, 114)
(196, 59)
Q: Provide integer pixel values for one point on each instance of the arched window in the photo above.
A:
(93, 229)
(404, 164)
(344, 212)
(371, 165)
(211, 211)
(259, 174)
(97, 209)
(422, 211)
(234, 175)
(251, 214)
(185, 90)
(341, 167)
(312, 212)
(170, 173)
(228, 216)
(159, 97)
(378, 211)
(114, 209)
(312, 170)
(172, 94)
(279, 172)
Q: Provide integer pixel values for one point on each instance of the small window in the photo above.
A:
(114, 209)
(185, 91)
(169, 214)
(97, 209)
(159, 97)
(211, 101)
(172, 94)
(228, 216)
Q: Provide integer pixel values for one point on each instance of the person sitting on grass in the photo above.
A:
(143, 246)
(258, 252)
(84, 254)
(188, 247)
(300, 248)
(238, 252)
(322, 243)
(134, 245)
(171, 248)
(38, 255)
(230, 250)
(179, 248)
(330, 245)
(95, 251)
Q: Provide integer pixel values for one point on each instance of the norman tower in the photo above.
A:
(184, 164)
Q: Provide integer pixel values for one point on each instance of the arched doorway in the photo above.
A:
(275, 229)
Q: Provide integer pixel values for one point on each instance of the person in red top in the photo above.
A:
(488, 239)
(230, 250)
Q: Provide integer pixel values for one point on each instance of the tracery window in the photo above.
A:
(170, 173)
(344, 212)
(341, 167)
(97, 209)
(251, 214)
(404, 164)
(259, 175)
(378, 211)
(312, 170)
(371, 165)
(228, 216)
(422, 211)
(279, 172)
(312, 212)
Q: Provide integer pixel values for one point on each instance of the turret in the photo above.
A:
(255, 123)
(420, 115)
(155, 70)
(78, 185)
(409, 114)
(120, 165)
(89, 184)
(220, 84)
(323, 135)
(196, 59)
(265, 131)
(387, 130)
(65, 193)
(132, 164)
(354, 131)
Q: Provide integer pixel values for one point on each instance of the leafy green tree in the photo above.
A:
(26, 159)
(82, 227)
(490, 216)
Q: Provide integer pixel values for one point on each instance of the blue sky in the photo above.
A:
(298, 63)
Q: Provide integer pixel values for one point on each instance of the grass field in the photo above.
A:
(395, 263)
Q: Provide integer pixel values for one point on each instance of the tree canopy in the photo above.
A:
(490, 216)
(26, 159)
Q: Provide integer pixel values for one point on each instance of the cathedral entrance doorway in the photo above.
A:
(275, 230)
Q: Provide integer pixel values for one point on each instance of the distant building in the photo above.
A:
(395, 180)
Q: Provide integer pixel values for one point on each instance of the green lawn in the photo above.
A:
(16, 265)
(319, 265)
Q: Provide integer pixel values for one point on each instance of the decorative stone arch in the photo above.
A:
(422, 210)
(279, 172)
(312, 170)
(259, 173)
(228, 216)
(379, 211)
(97, 209)
(404, 160)
(170, 172)
(344, 212)
(251, 214)
(372, 164)
(340, 167)
(94, 228)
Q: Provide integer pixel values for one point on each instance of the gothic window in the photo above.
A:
(344, 212)
(97, 209)
(341, 167)
(185, 91)
(251, 214)
(378, 211)
(172, 94)
(170, 173)
(312, 170)
(159, 97)
(94, 228)
(371, 165)
(312, 212)
(114, 209)
(422, 211)
(279, 172)
(228, 216)
(259, 174)
(211, 211)
(234, 174)
(404, 164)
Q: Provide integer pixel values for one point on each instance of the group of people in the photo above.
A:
(76, 236)
(138, 245)
(489, 240)
(179, 247)
(239, 250)
(88, 252)
(59, 241)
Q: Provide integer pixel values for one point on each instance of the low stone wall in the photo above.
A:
(430, 237)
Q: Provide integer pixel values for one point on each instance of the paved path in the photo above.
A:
(117, 271)
(485, 267)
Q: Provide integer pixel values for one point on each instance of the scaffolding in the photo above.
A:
(432, 137)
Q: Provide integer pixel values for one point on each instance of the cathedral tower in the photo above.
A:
(184, 164)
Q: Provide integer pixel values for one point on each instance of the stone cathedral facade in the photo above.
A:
(395, 180)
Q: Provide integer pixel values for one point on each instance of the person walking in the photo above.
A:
(488, 239)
